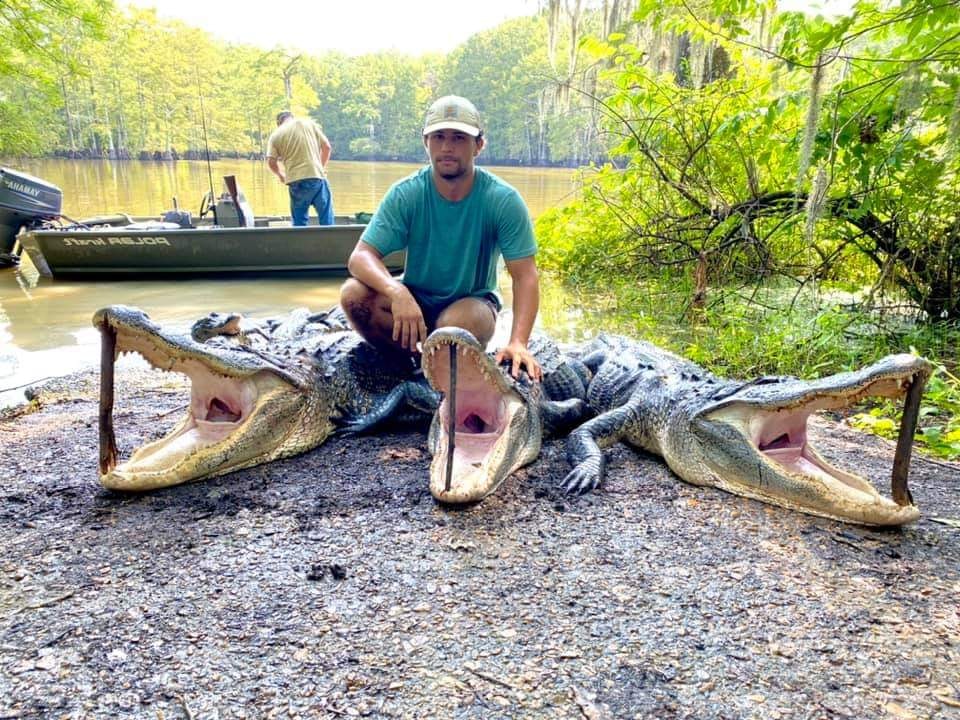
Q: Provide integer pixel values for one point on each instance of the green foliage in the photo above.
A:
(373, 104)
(939, 423)
(863, 107)
(31, 31)
(35, 41)
(503, 71)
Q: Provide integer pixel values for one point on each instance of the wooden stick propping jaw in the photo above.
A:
(108, 441)
(908, 427)
(452, 418)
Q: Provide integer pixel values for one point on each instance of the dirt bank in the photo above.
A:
(331, 585)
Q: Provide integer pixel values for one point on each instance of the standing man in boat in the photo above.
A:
(300, 145)
(455, 220)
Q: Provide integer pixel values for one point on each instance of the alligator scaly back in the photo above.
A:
(748, 438)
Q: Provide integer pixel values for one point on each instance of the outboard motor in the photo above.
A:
(234, 211)
(231, 209)
(25, 201)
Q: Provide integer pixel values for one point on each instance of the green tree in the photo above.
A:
(371, 106)
(33, 36)
(503, 71)
(827, 150)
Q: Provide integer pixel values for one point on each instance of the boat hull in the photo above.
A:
(203, 250)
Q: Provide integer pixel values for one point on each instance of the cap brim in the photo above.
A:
(452, 125)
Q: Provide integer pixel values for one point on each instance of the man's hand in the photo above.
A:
(409, 327)
(274, 166)
(520, 356)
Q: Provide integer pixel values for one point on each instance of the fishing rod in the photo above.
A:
(206, 148)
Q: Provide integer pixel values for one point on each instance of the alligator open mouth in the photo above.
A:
(483, 429)
(223, 428)
(772, 424)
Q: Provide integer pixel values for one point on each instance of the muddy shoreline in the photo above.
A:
(331, 585)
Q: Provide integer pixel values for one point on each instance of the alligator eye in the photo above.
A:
(781, 441)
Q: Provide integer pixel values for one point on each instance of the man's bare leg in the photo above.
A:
(471, 314)
(369, 314)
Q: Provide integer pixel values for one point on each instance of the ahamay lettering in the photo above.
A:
(21, 188)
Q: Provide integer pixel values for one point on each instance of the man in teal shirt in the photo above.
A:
(454, 220)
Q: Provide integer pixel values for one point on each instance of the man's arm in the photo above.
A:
(366, 265)
(526, 304)
(275, 169)
(325, 149)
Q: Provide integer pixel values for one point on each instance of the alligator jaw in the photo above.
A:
(495, 429)
(242, 411)
(758, 446)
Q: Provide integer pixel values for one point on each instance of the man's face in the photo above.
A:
(452, 152)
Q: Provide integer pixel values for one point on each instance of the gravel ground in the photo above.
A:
(331, 585)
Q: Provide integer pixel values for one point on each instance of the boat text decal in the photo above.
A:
(76, 241)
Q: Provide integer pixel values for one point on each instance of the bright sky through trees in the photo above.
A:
(354, 27)
(357, 27)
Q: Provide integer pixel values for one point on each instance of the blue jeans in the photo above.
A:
(311, 191)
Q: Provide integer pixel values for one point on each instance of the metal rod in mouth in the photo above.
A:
(908, 426)
(452, 419)
(108, 441)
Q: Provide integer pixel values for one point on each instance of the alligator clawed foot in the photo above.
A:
(582, 479)
(351, 428)
(345, 431)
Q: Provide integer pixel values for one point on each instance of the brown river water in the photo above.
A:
(45, 328)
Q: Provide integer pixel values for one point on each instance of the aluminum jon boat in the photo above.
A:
(226, 238)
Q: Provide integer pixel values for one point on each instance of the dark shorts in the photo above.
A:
(431, 311)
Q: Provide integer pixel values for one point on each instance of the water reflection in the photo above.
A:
(95, 187)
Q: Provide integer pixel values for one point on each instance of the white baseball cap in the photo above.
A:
(452, 112)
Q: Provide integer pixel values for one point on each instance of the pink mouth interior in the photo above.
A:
(785, 443)
(219, 411)
(219, 404)
(478, 412)
(481, 412)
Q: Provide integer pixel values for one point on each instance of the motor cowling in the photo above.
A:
(229, 215)
(25, 202)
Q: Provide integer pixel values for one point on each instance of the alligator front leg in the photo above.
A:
(559, 415)
(585, 448)
(415, 394)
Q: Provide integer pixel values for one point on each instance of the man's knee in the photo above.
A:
(357, 301)
(473, 314)
(353, 291)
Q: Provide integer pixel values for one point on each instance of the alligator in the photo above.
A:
(498, 421)
(259, 391)
(748, 438)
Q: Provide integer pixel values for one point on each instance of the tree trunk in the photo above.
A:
(681, 58)
(141, 101)
(71, 138)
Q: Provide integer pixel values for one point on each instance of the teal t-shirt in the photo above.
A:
(452, 247)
